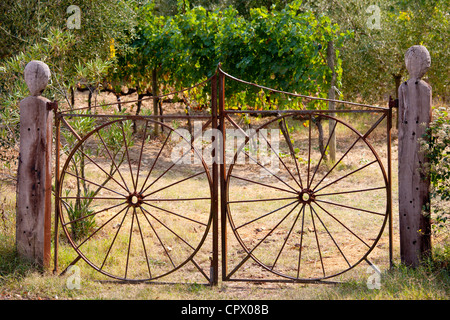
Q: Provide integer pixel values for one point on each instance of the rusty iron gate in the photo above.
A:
(265, 202)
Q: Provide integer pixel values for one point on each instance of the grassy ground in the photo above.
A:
(21, 280)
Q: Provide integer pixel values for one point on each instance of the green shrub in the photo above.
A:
(436, 144)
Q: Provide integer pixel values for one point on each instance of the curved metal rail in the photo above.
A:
(139, 233)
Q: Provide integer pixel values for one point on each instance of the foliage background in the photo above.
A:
(278, 43)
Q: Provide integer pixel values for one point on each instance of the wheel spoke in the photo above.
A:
(175, 214)
(157, 236)
(351, 191)
(334, 241)
(154, 162)
(95, 184)
(281, 160)
(113, 161)
(175, 183)
(323, 153)
(98, 229)
(287, 237)
(263, 184)
(273, 174)
(349, 207)
(114, 239)
(173, 232)
(259, 200)
(317, 240)
(327, 212)
(167, 170)
(143, 244)
(309, 151)
(140, 155)
(98, 166)
(128, 155)
(92, 214)
(283, 128)
(345, 176)
(178, 199)
(129, 241)
(301, 242)
(261, 241)
(267, 214)
(273, 229)
(335, 165)
(92, 198)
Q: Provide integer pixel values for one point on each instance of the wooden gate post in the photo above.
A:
(33, 216)
(414, 117)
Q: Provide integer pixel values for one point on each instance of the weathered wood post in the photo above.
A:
(33, 215)
(414, 117)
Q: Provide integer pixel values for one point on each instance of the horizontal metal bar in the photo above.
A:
(130, 117)
(284, 281)
(88, 198)
(296, 94)
(148, 98)
(344, 192)
(180, 199)
(149, 282)
(305, 112)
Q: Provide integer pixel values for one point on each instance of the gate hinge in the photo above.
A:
(52, 105)
(393, 103)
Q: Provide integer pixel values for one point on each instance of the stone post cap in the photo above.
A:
(418, 61)
(37, 75)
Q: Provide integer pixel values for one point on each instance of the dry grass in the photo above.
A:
(273, 239)
(165, 235)
(333, 237)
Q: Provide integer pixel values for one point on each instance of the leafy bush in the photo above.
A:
(436, 144)
(282, 49)
(80, 212)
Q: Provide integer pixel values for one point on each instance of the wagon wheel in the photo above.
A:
(135, 209)
(293, 211)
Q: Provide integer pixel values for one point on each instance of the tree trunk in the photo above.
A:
(119, 102)
(161, 113)
(331, 59)
(155, 100)
(90, 98)
(318, 122)
(72, 98)
(138, 110)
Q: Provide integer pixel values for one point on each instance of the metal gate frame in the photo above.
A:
(224, 117)
(219, 216)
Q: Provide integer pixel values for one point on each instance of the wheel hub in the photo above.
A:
(135, 199)
(306, 196)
